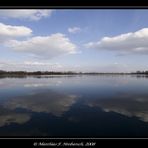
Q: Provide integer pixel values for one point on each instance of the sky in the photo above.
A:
(86, 40)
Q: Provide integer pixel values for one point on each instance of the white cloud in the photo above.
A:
(133, 42)
(35, 63)
(74, 30)
(9, 32)
(31, 14)
(44, 46)
(30, 65)
(45, 64)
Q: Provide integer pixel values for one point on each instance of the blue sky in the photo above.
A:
(102, 40)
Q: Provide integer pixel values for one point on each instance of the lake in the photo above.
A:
(74, 106)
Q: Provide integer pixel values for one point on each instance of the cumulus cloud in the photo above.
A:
(133, 42)
(44, 46)
(10, 32)
(74, 30)
(30, 14)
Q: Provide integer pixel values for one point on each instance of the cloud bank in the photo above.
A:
(133, 42)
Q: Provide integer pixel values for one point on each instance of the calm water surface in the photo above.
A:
(74, 106)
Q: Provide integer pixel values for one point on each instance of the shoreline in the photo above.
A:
(69, 74)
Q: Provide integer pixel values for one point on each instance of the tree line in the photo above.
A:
(26, 73)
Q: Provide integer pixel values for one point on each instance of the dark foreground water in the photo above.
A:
(74, 106)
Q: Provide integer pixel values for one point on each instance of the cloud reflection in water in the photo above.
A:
(8, 116)
(45, 101)
(131, 105)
